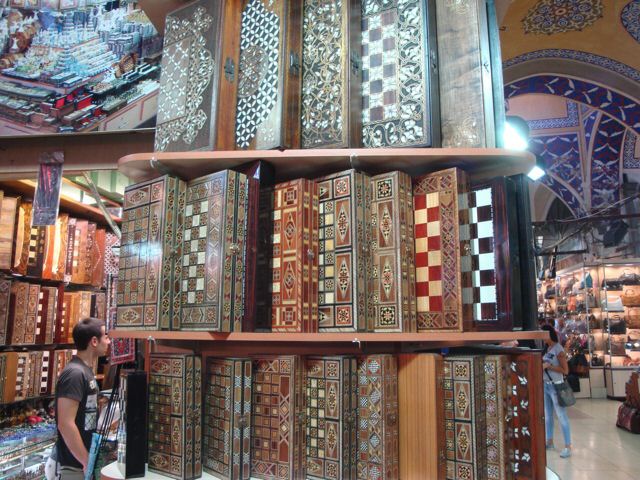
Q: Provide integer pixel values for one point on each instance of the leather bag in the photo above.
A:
(612, 304)
(616, 325)
(566, 398)
(611, 284)
(618, 346)
(629, 278)
(633, 318)
(630, 298)
(628, 418)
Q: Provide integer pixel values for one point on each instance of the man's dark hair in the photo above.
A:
(553, 334)
(85, 330)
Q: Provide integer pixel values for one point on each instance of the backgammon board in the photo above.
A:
(211, 270)
(37, 246)
(47, 315)
(22, 238)
(399, 74)
(345, 210)
(97, 258)
(81, 241)
(331, 421)
(269, 75)
(278, 440)
(496, 372)
(377, 436)
(148, 289)
(24, 311)
(175, 415)
(72, 250)
(8, 212)
(227, 418)
(331, 74)
(443, 268)
(55, 257)
(392, 300)
(5, 311)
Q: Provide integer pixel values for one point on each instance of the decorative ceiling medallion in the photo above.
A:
(630, 17)
(561, 16)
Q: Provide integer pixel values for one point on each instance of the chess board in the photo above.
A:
(443, 268)
(37, 245)
(331, 421)
(47, 314)
(392, 306)
(496, 369)
(8, 212)
(345, 209)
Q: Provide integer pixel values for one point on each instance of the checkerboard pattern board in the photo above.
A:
(428, 254)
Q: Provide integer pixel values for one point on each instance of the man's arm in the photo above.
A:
(67, 409)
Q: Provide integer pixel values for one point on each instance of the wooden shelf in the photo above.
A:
(480, 163)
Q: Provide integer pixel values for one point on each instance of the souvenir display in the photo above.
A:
(175, 415)
(392, 295)
(464, 408)
(399, 74)
(8, 212)
(496, 368)
(148, 288)
(227, 418)
(269, 75)
(378, 450)
(331, 74)
(331, 417)
(294, 289)
(278, 440)
(472, 103)
(132, 430)
(345, 210)
(421, 422)
(22, 239)
(5, 311)
(213, 253)
(441, 240)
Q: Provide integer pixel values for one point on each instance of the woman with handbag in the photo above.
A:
(555, 367)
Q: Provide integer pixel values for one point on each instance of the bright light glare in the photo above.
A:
(513, 139)
(536, 173)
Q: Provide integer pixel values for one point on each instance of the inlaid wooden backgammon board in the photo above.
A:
(22, 238)
(227, 418)
(55, 257)
(5, 310)
(72, 250)
(278, 440)
(24, 312)
(175, 415)
(331, 420)
(97, 258)
(37, 247)
(392, 295)
(378, 448)
(45, 367)
(211, 269)
(8, 212)
(344, 259)
(23, 376)
(496, 374)
(8, 376)
(331, 74)
(148, 289)
(81, 241)
(59, 360)
(443, 267)
(47, 314)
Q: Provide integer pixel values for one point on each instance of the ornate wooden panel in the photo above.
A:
(111, 260)
(8, 212)
(277, 418)
(464, 406)
(148, 289)
(24, 311)
(269, 76)
(175, 415)
(81, 241)
(213, 253)
(469, 59)
(97, 258)
(99, 305)
(392, 300)
(35, 374)
(331, 422)
(399, 78)
(227, 414)
(441, 239)
(37, 246)
(295, 257)
(377, 417)
(47, 314)
(8, 376)
(331, 74)
(72, 251)
(5, 311)
(23, 376)
(60, 359)
(22, 238)
(44, 372)
(496, 369)
(55, 257)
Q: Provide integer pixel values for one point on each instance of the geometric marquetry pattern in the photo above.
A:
(294, 286)
(392, 300)
(24, 311)
(345, 206)
(8, 209)
(442, 263)
(22, 238)
(148, 290)
(5, 296)
(175, 415)
(331, 400)
(495, 378)
(227, 417)
(465, 443)
(377, 455)
(213, 252)
(277, 418)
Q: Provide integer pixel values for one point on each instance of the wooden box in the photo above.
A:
(198, 84)
(378, 450)
(24, 312)
(331, 74)
(345, 210)
(55, 257)
(211, 269)
(471, 87)
(60, 359)
(278, 441)
(269, 75)
(441, 240)
(8, 376)
(400, 75)
(175, 415)
(148, 290)
(331, 420)
(111, 260)
(294, 287)
(421, 428)
(464, 407)
(37, 247)
(23, 377)
(392, 299)
(5, 310)
(496, 374)
(45, 372)
(227, 418)
(47, 314)
(8, 214)
(72, 251)
(97, 258)
(81, 241)
(22, 239)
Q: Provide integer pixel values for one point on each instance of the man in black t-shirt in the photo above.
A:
(77, 399)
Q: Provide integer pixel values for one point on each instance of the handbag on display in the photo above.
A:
(578, 365)
(629, 278)
(612, 304)
(572, 303)
(611, 284)
(616, 325)
(568, 289)
(633, 334)
(550, 293)
(630, 298)
(597, 360)
(633, 318)
(588, 280)
(597, 342)
(617, 345)
(594, 323)
(566, 398)
(591, 300)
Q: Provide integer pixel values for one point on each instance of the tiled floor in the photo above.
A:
(601, 451)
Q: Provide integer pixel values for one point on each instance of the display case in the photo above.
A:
(24, 451)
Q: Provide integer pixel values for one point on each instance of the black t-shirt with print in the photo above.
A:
(77, 382)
